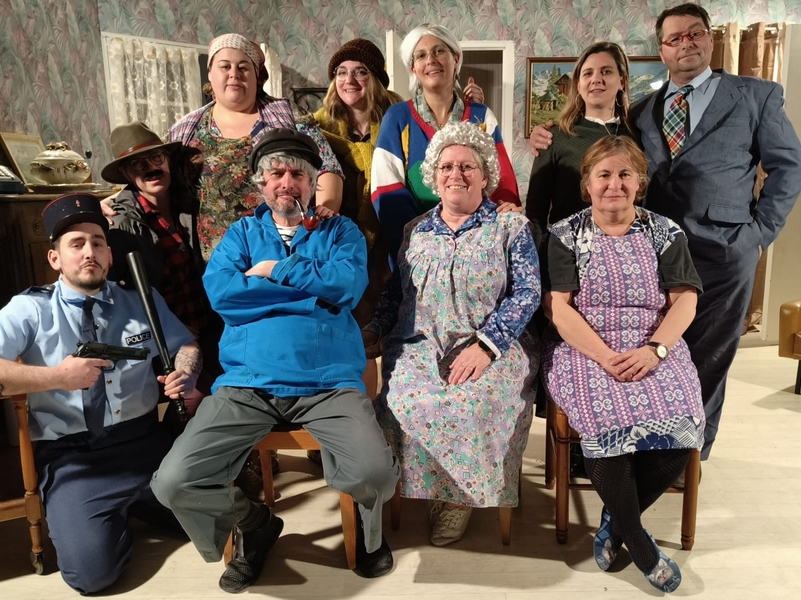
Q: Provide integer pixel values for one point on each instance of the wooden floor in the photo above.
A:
(748, 543)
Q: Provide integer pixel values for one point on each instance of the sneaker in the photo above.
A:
(433, 515)
(451, 525)
(249, 555)
(666, 575)
(605, 545)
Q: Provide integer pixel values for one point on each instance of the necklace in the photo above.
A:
(617, 126)
(604, 123)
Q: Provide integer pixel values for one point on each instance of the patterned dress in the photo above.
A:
(462, 443)
(622, 298)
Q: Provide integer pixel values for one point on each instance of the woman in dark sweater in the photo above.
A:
(597, 105)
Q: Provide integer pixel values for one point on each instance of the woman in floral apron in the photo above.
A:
(622, 290)
(458, 367)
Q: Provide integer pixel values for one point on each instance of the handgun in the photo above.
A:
(110, 353)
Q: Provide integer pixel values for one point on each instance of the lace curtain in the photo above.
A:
(151, 81)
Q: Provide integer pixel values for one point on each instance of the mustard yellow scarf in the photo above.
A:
(358, 154)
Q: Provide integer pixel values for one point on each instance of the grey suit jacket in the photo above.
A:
(709, 187)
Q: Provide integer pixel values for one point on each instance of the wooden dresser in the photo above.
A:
(24, 243)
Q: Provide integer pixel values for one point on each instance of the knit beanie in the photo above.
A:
(365, 52)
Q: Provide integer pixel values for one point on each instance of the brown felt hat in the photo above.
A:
(365, 52)
(128, 141)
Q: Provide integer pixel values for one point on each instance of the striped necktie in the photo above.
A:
(675, 120)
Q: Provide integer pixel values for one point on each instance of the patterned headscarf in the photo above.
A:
(244, 45)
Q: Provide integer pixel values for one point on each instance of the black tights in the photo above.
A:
(628, 485)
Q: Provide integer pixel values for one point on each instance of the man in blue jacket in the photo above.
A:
(291, 353)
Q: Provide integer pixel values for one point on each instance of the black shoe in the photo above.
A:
(249, 556)
(374, 564)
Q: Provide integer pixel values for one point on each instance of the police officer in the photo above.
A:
(94, 421)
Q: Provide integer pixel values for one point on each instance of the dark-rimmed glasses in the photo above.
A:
(140, 163)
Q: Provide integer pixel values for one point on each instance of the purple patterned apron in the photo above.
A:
(621, 300)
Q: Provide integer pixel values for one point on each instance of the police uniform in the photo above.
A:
(91, 483)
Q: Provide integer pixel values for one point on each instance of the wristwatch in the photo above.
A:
(662, 351)
(487, 350)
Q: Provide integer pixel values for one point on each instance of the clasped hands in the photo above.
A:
(632, 365)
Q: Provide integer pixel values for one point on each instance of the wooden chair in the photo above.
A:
(560, 435)
(30, 505)
(294, 437)
(790, 336)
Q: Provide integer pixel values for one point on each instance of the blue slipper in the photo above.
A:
(666, 575)
(605, 545)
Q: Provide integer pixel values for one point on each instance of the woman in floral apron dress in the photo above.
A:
(622, 290)
(458, 368)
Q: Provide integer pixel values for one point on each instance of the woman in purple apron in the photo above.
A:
(622, 290)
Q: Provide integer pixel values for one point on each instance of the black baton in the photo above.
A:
(146, 296)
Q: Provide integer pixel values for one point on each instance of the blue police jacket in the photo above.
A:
(43, 325)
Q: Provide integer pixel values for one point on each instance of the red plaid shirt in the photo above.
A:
(182, 287)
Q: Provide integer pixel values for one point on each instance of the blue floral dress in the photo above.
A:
(462, 443)
(621, 295)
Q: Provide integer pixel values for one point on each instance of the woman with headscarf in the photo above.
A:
(227, 129)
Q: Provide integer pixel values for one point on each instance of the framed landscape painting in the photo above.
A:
(547, 84)
(548, 81)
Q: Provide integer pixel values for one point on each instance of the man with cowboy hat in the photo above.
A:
(95, 421)
(292, 353)
(156, 215)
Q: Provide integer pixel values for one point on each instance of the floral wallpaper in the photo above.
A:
(52, 67)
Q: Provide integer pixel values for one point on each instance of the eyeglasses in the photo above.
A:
(141, 163)
(693, 36)
(359, 73)
(466, 169)
(436, 53)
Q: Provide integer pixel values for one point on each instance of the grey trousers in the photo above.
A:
(194, 479)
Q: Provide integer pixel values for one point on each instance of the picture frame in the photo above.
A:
(646, 75)
(20, 150)
(547, 83)
(548, 80)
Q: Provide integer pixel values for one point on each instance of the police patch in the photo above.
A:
(139, 338)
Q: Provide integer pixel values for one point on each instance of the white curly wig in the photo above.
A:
(409, 43)
(470, 135)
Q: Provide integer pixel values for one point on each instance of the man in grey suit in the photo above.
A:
(704, 133)
(729, 124)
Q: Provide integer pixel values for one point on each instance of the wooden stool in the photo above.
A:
(30, 505)
(560, 435)
(294, 437)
